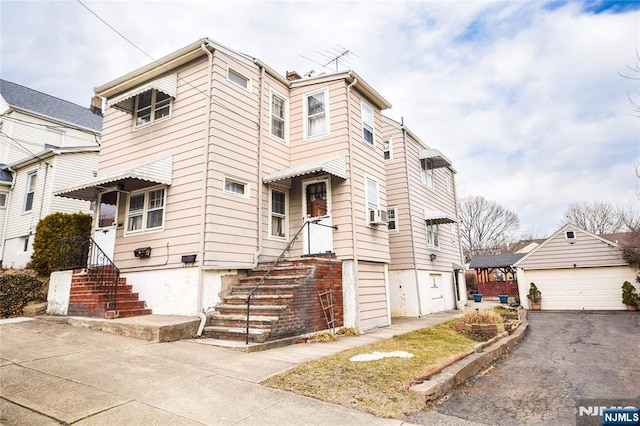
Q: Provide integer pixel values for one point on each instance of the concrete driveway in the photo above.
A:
(567, 357)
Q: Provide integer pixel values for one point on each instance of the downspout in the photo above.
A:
(353, 211)
(258, 252)
(44, 187)
(4, 230)
(415, 260)
(455, 199)
(200, 297)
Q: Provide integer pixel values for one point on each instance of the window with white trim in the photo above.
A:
(392, 214)
(4, 197)
(236, 187)
(278, 213)
(32, 179)
(432, 235)
(151, 106)
(316, 114)
(279, 111)
(239, 79)
(25, 244)
(387, 148)
(426, 172)
(367, 124)
(371, 194)
(570, 235)
(145, 211)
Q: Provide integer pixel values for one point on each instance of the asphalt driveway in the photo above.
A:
(566, 359)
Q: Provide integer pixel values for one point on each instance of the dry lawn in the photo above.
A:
(376, 387)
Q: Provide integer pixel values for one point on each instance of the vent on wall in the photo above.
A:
(570, 236)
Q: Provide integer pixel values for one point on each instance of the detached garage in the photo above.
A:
(575, 270)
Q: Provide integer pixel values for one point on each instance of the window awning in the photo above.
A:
(335, 166)
(438, 217)
(125, 101)
(159, 172)
(437, 158)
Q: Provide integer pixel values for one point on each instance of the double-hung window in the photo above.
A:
(316, 111)
(426, 172)
(32, 179)
(152, 106)
(392, 214)
(432, 235)
(387, 149)
(371, 195)
(278, 214)
(278, 123)
(367, 124)
(146, 210)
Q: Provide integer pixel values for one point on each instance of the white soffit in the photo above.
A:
(335, 166)
(125, 102)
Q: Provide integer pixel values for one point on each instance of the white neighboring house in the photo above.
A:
(575, 270)
(45, 143)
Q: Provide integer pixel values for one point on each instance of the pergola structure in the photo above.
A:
(495, 274)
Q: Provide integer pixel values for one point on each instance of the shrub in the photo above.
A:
(535, 295)
(54, 226)
(629, 294)
(481, 317)
(17, 289)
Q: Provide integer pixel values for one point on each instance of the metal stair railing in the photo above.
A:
(84, 253)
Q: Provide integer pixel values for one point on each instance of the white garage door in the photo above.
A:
(581, 288)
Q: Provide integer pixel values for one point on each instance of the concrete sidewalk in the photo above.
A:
(55, 373)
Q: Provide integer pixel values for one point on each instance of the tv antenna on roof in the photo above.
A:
(334, 58)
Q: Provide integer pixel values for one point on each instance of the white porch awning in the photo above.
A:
(437, 158)
(125, 102)
(438, 217)
(335, 166)
(159, 172)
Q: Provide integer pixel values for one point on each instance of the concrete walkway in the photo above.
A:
(58, 374)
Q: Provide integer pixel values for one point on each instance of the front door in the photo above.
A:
(318, 237)
(105, 235)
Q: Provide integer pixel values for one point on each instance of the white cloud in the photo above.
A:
(524, 97)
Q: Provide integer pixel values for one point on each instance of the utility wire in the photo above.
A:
(257, 123)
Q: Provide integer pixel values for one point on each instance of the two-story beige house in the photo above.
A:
(46, 143)
(425, 272)
(213, 163)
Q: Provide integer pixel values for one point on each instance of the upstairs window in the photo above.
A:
(426, 172)
(315, 111)
(239, 79)
(236, 187)
(32, 179)
(152, 106)
(392, 214)
(367, 124)
(146, 210)
(449, 185)
(278, 123)
(54, 137)
(432, 235)
(4, 196)
(386, 148)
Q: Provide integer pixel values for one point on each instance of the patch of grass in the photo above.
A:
(376, 387)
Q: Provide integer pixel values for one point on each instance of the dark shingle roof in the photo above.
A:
(495, 260)
(5, 175)
(23, 98)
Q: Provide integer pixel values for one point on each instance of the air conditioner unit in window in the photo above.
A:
(378, 217)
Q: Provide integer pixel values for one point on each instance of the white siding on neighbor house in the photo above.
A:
(68, 170)
(372, 295)
(595, 288)
(19, 223)
(182, 136)
(583, 251)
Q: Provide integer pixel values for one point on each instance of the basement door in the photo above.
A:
(316, 210)
(105, 235)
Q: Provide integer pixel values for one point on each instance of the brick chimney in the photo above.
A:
(96, 105)
(293, 75)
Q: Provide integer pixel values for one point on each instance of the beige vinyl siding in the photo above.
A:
(69, 169)
(181, 136)
(586, 251)
(372, 295)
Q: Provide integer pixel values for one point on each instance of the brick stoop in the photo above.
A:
(286, 304)
(88, 299)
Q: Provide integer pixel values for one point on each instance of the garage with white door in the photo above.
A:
(575, 270)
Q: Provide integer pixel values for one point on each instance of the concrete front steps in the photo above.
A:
(280, 306)
(88, 299)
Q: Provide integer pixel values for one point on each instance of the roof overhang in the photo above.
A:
(437, 217)
(125, 102)
(335, 167)
(159, 172)
(437, 158)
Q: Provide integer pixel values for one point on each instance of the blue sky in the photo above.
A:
(525, 97)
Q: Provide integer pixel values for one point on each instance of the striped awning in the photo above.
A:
(335, 166)
(159, 172)
(437, 158)
(125, 102)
